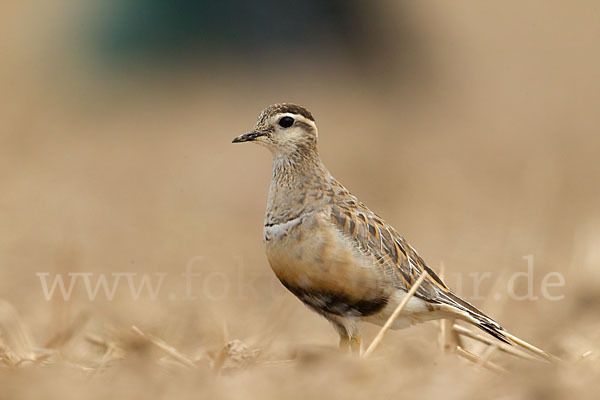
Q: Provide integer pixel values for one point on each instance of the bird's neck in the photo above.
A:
(298, 182)
(302, 166)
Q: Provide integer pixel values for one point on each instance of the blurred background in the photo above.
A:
(472, 127)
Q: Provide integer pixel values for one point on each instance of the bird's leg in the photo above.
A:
(355, 345)
(344, 342)
(349, 335)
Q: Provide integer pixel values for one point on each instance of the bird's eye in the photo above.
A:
(286, 122)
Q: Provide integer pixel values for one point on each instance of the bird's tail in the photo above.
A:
(469, 313)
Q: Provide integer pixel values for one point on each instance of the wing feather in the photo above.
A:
(376, 238)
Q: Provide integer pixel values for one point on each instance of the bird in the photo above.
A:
(333, 253)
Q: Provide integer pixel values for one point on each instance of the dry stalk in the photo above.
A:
(6, 357)
(477, 360)
(111, 351)
(394, 316)
(16, 344)
(528, 346)
(461, 330)
(585, 355)
(487, 354)
(67, 333)
(164, 346)
(450, 338)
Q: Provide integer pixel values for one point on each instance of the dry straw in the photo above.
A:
(451, 338)
(164, 346)
(394, 316)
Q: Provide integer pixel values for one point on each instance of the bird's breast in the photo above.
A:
(322, 267)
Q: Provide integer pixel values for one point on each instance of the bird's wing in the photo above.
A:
(373, 236)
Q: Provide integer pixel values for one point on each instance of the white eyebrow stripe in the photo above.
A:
(297, 117)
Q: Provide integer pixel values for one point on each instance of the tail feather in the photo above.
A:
(471, 314)
(493, 331)
(536, 350)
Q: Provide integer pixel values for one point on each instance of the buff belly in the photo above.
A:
(314, 261)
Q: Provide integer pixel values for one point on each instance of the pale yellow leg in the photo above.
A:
(355, 345)
(344, 343)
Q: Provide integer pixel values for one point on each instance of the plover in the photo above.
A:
(337, 256)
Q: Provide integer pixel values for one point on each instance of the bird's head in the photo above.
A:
(285, 129)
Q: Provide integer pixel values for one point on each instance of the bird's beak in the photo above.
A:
(248, 137)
